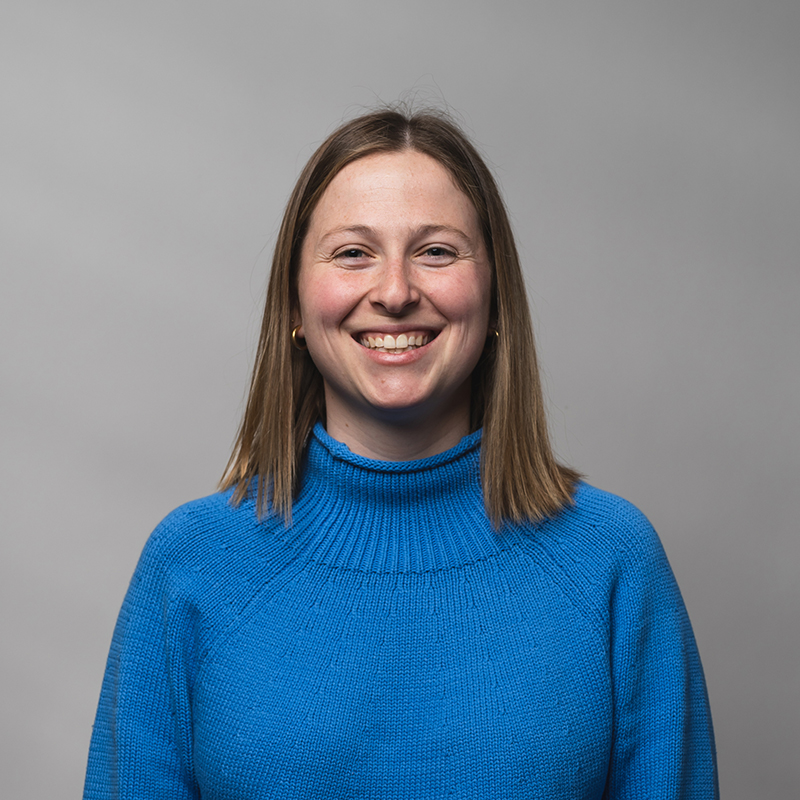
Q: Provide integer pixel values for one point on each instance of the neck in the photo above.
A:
(375, 516)
(399, 438)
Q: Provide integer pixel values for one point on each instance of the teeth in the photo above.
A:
(388, 343)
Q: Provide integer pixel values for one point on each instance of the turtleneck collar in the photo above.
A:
(418, 516)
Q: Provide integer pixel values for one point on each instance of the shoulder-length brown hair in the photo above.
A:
(520, 475)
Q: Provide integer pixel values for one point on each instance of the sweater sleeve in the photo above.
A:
(663, 738)
(141, 745)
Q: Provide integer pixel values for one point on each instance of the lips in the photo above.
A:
(395, 343)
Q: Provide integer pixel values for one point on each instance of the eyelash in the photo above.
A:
(351, 252)
(357, 252)
(444, 251)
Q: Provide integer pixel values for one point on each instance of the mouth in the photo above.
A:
(399, 343)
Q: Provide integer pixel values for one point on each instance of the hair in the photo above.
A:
(521, 478)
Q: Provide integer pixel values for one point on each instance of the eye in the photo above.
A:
(352, 256)
(437, 255)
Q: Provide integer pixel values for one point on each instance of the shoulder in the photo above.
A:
(192, 522)
(205, 560)
(598, 546)
(603, 523)
(196, 534)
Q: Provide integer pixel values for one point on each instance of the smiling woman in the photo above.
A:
(360, 183)
(399, 592)
(394, 252)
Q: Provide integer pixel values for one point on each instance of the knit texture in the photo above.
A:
(391, 644)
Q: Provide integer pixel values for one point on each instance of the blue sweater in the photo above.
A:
(391, 644)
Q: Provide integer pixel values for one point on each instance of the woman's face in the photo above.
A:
(394, 293)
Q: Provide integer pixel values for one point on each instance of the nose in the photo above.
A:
(395, 289)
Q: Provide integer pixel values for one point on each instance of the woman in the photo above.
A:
(399, 593)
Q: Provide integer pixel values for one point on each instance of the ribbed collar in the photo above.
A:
(418, 516)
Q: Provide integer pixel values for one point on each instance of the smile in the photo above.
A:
(402, 343)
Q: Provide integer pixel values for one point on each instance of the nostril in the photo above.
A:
(394, 290)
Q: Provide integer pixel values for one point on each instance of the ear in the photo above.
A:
(295, 317)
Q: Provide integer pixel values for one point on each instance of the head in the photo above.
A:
(394, 249)
(277, 423)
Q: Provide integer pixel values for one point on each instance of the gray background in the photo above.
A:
(649, 155)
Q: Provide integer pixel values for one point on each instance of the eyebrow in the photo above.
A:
(422, 230)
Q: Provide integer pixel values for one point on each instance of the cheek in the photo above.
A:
(467, 301)
(315, 299)
(324, 303)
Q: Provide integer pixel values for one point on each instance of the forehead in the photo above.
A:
(406, 165)
(406, 182)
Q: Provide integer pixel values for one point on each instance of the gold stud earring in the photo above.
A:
(491, 340)
(296, 340)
